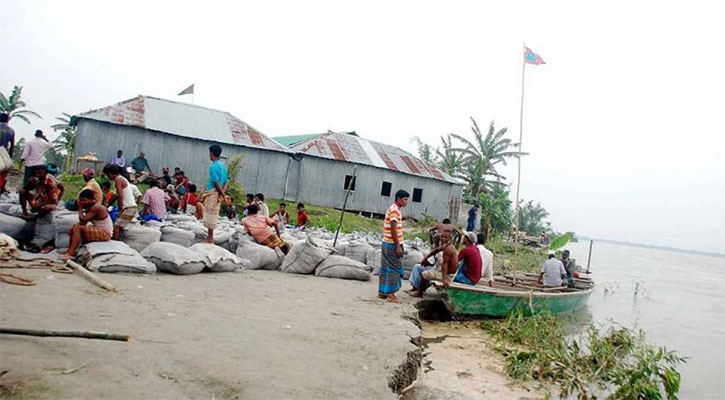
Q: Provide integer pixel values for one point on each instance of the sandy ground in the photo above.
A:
(459, 363)
(242, 335)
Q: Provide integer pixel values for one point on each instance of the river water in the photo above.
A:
(677, 298)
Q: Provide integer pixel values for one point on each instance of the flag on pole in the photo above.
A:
(529, 57)
(189, 90)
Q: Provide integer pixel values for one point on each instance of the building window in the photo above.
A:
(387, 188)
(417, 195)
(350, 183)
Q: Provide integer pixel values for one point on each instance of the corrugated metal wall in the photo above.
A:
(323, 183)
(276, 174)
(262, 171)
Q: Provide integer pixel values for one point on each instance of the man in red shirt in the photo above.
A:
(469, 262)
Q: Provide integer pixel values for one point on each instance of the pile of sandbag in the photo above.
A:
(175, 259)
(260, 257)
(139, 237)
(305, 256)
(113, 256)
(44, 229)
(358, 251)
(13, 226)
(340, 267)
(220, 259)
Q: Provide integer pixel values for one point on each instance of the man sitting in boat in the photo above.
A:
(469, 262)
(569, 266)
(486, 260)
(446, 259)
(552, 272)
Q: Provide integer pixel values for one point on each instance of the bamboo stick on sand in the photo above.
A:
(91, 276)
(78, 334)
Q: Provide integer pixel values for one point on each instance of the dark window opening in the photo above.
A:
(417, 195)
(387, 188)
(350, 183)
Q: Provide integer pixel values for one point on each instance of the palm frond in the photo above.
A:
(21, 117)
(28, 112)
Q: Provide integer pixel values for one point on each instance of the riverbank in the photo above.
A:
(249, 334)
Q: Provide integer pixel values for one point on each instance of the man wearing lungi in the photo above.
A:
(391, 262)
(215, 192)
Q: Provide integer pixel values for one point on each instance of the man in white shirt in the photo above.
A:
(486, 260)
(34, 154)
(552, 272)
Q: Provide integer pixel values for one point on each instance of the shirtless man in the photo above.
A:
(444, 226)
(422, 273)
(100, 228)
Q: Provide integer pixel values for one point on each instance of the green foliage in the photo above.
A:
(65, 143)
(532, 218)
(496, 213)
(449, 160)
(236, 188)
(561, 241)
(19, 147)
(14, 106)
(504, 260)
(617, 363)
(425, 151)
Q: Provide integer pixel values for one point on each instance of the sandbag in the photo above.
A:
(410, 258)
(222, 236)
(304, 257)
(12, 226)
(260, 257)
(113, 256)
(63, 223)
(374, 258)
(180, 217)
(44, 230)
(358, 251)
(220, 259)
(154, 224)
(175, 259)
(341, 267)
(6, 163)
(175, 235)
(139, 237)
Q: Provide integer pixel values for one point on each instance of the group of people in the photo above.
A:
(557, 273)
(443, 263)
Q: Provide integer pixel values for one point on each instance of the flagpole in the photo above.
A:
(518, 179)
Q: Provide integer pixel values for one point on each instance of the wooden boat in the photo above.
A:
(464, 301)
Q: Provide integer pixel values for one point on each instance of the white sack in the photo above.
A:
(139, 237)
(304, 257)
(358, 251)
(260, 257)
(175, 259)
(341, 267)
(219, 259)
(12, 226)
(175, 235)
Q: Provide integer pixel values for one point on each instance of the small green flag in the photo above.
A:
(189, 90)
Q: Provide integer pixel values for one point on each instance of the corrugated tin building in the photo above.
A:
(315, 169)
(327, 165)
(179, 134)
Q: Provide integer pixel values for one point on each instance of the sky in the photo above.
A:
(623, 123)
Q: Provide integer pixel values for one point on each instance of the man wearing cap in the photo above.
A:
(469, 262)
(552, 272)
(92, 185)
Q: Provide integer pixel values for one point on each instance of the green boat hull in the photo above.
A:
(470, 302)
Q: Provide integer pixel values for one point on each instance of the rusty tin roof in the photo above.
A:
(182, 119)
(352, 148)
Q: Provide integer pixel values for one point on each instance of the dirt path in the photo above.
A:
(250, 335)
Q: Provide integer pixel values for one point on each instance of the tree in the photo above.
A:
(65, 143)
(449, 160)
(19, 147)
(14, 106)
(532, 218)
(496, 213)
(483, 155)
(425, 151)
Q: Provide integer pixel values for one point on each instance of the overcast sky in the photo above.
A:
(623, 123)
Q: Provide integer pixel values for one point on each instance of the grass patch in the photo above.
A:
(616, 363)
(329, 218)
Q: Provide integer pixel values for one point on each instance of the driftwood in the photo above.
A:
(91, 276)
(78, 334)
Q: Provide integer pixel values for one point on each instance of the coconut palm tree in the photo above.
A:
(14, 106)
(66, 142)
(449, 160)
(483, 155)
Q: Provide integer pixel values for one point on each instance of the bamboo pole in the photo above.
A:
(518, 178)
(589, 257)
(54, 333)
(91, 276)
(344, 204)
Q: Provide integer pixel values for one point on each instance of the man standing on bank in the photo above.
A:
(391, 262)
(215, 192)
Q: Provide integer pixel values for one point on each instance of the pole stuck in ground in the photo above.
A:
(344, 204)
(589, 258)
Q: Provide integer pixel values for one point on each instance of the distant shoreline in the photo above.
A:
(651, 246)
